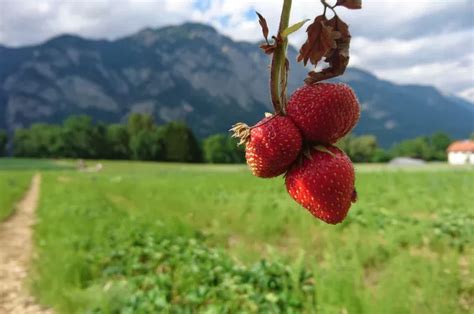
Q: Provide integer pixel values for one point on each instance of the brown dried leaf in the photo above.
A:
(338, 25)
(263, 23)
(321, 39)
(268, 48)
(343, 42)
(338, 58)
(350, 4)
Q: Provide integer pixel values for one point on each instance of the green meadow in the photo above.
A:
(12, 186)
(173, 238)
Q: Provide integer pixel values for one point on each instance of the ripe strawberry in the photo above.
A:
(323, 183)
(272, 145)
(324, 112)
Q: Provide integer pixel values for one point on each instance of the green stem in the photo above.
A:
(278, 70)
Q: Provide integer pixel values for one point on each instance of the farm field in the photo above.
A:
(15, 177)
(12, 186)
(148, 237)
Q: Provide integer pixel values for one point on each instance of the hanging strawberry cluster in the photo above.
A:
(298, 138)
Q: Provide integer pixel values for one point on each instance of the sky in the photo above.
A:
(427, 42)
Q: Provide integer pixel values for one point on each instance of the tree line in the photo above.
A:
(365, 148)
(140, 138)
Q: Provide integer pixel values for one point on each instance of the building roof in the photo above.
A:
(461, 146)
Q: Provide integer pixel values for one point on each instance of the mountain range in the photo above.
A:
(192, 73)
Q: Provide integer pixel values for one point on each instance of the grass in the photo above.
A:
(29, 164)
(146, 237)
(12, 186)
(15, 177)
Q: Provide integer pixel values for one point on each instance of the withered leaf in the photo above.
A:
(268, 48)
(338, 64)
(338, 25)
(344, 40)
(263, 23)
(338, 58)
(321, 39)
(350, 4)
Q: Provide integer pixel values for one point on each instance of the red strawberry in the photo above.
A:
(324, 112)
(323, 183)
(272, 145)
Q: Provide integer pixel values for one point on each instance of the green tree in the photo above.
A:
(424, 147)
(380, 155)
(40, 140)
(360, 148)
(221, 148)
(147, 145)
(416, 148)
(180, 143)
(117, 142)
(138, 122)
(472, 136)
(83, 139)
(439, 143)
(3, 143)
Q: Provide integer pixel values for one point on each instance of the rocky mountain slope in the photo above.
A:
(192, 73)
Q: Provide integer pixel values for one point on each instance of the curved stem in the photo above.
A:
(278, 69)
(326, 5)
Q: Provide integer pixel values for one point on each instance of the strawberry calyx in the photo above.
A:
(324, 149)
(241, 131)
(354, 196)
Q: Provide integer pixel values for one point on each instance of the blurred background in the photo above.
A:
(121, 110)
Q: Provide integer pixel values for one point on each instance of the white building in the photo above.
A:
(461, 153)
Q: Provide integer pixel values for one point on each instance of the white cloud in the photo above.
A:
(468, 94)
(440, 60)
(402, 40)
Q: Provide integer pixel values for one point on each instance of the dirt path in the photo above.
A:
(15, 254)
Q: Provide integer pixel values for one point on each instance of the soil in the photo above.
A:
(16, 251)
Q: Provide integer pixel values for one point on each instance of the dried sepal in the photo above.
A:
(241, 131)
(268, 48)
(263, 23)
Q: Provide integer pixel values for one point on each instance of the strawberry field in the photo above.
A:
(147, 237)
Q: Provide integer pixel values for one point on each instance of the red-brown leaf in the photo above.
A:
(343, 42)
(338, 64)
(350, 4)
(268, 48)
(321, 39)
(338, 58)
(263, 23)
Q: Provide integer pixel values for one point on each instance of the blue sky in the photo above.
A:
(405, 41)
